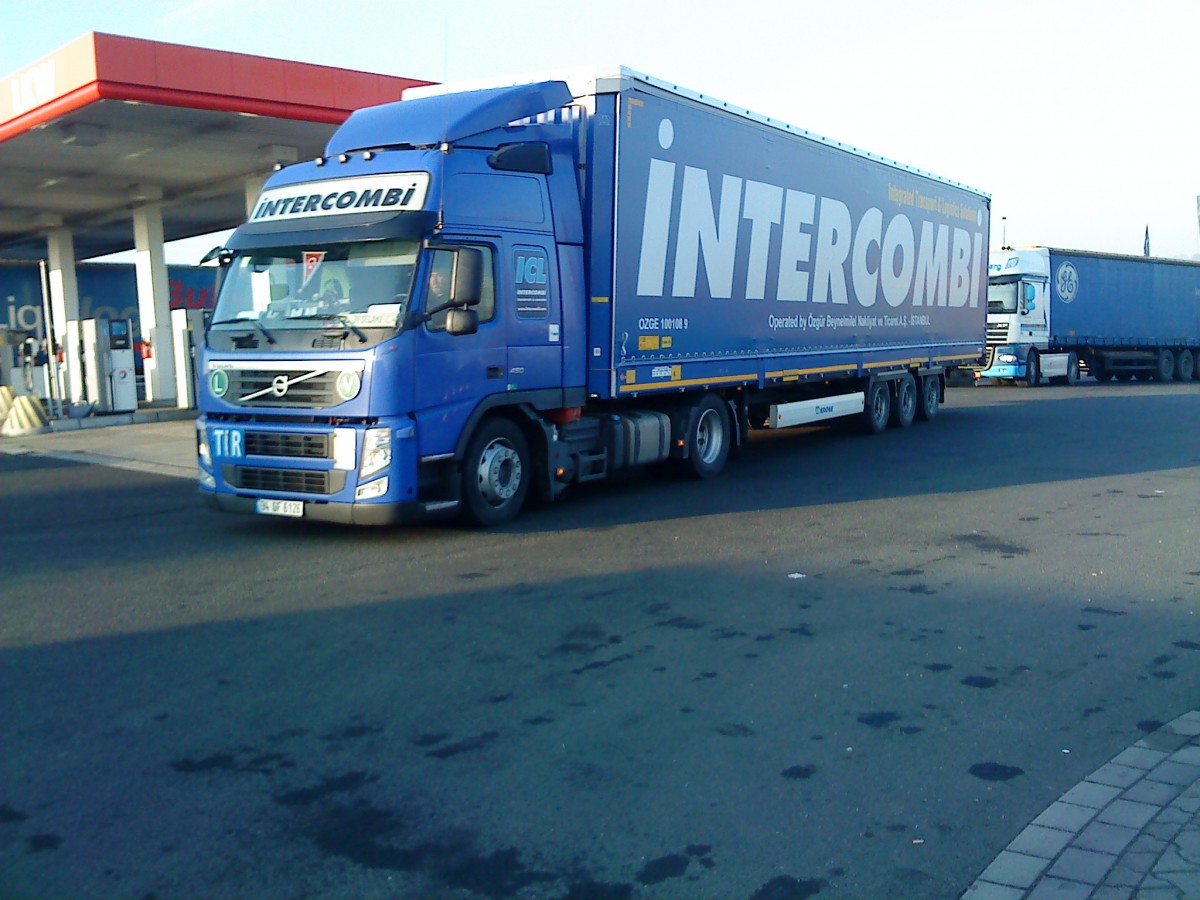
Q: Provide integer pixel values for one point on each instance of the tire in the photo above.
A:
(878, 407)
(1164, 365)
(904, 402)
(1072, 375)
(708, 439)
(496, 473)
(930, 397)
(1185, 365)
(1033, 370)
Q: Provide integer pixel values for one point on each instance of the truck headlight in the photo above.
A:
(376, 451)
(1006, 358)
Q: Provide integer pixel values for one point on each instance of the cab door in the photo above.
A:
(455, 372)
(533, 318)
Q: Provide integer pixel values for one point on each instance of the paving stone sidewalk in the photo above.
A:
(1131, 829)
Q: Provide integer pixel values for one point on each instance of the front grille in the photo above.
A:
(261, 387)
(292, 481)
(997, 333)
(298, 446)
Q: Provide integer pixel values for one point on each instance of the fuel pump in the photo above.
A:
(108, 370)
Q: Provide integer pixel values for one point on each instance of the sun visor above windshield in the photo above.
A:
(428, 121)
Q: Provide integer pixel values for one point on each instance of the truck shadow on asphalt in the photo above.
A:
(1012, 439)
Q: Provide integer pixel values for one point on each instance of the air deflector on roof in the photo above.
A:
(446, 118)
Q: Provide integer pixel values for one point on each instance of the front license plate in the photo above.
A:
(292, 508)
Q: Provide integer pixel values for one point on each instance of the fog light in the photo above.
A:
(376, 488)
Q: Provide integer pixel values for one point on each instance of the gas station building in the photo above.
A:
(115, 143)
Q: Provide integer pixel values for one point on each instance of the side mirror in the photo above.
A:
(461, 321)
(468, 278)
(1028, 303)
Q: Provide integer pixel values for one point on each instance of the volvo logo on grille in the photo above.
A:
(279, 385)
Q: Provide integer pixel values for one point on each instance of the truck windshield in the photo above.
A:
(364, 285)
(1002, 296)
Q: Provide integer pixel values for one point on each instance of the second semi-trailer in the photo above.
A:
(1051, 310)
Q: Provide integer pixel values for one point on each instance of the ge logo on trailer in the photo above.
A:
(1066, 282)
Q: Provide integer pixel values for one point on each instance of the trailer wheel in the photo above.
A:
(931, 397)
(878, 407)
(1164, 365)
(1033, 369)
(496, 473)
(1185, 365)
(708, 439)
(904, 402)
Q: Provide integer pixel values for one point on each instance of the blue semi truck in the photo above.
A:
(1051, 311)
(481, 294)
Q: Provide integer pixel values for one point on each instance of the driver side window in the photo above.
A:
(440, 286)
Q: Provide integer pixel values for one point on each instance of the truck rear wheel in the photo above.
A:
(1185, 365)
(931, 397)
(904, 403)
(708, 439)
(1072, 375)
(878, 407)
(496, 473)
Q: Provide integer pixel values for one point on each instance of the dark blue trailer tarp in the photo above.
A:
(1099, 299)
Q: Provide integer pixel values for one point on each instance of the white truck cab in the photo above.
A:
(1018, 320)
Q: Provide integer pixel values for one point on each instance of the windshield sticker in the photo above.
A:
(312, 260)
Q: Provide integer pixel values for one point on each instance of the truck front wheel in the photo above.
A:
(708, 438)
(1033, 369)
(496, 473)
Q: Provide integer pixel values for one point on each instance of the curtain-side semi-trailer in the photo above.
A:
(476, 294)
(1122, 316)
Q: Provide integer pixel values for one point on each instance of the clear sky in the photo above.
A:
(1080, 117)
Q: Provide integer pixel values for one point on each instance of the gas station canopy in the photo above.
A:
(108, 124)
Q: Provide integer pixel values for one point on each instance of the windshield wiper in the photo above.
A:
(257, 324)
(340, 318)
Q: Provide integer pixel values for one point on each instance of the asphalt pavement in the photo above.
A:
(1131, 829)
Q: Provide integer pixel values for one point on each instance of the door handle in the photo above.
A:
(495, 371)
